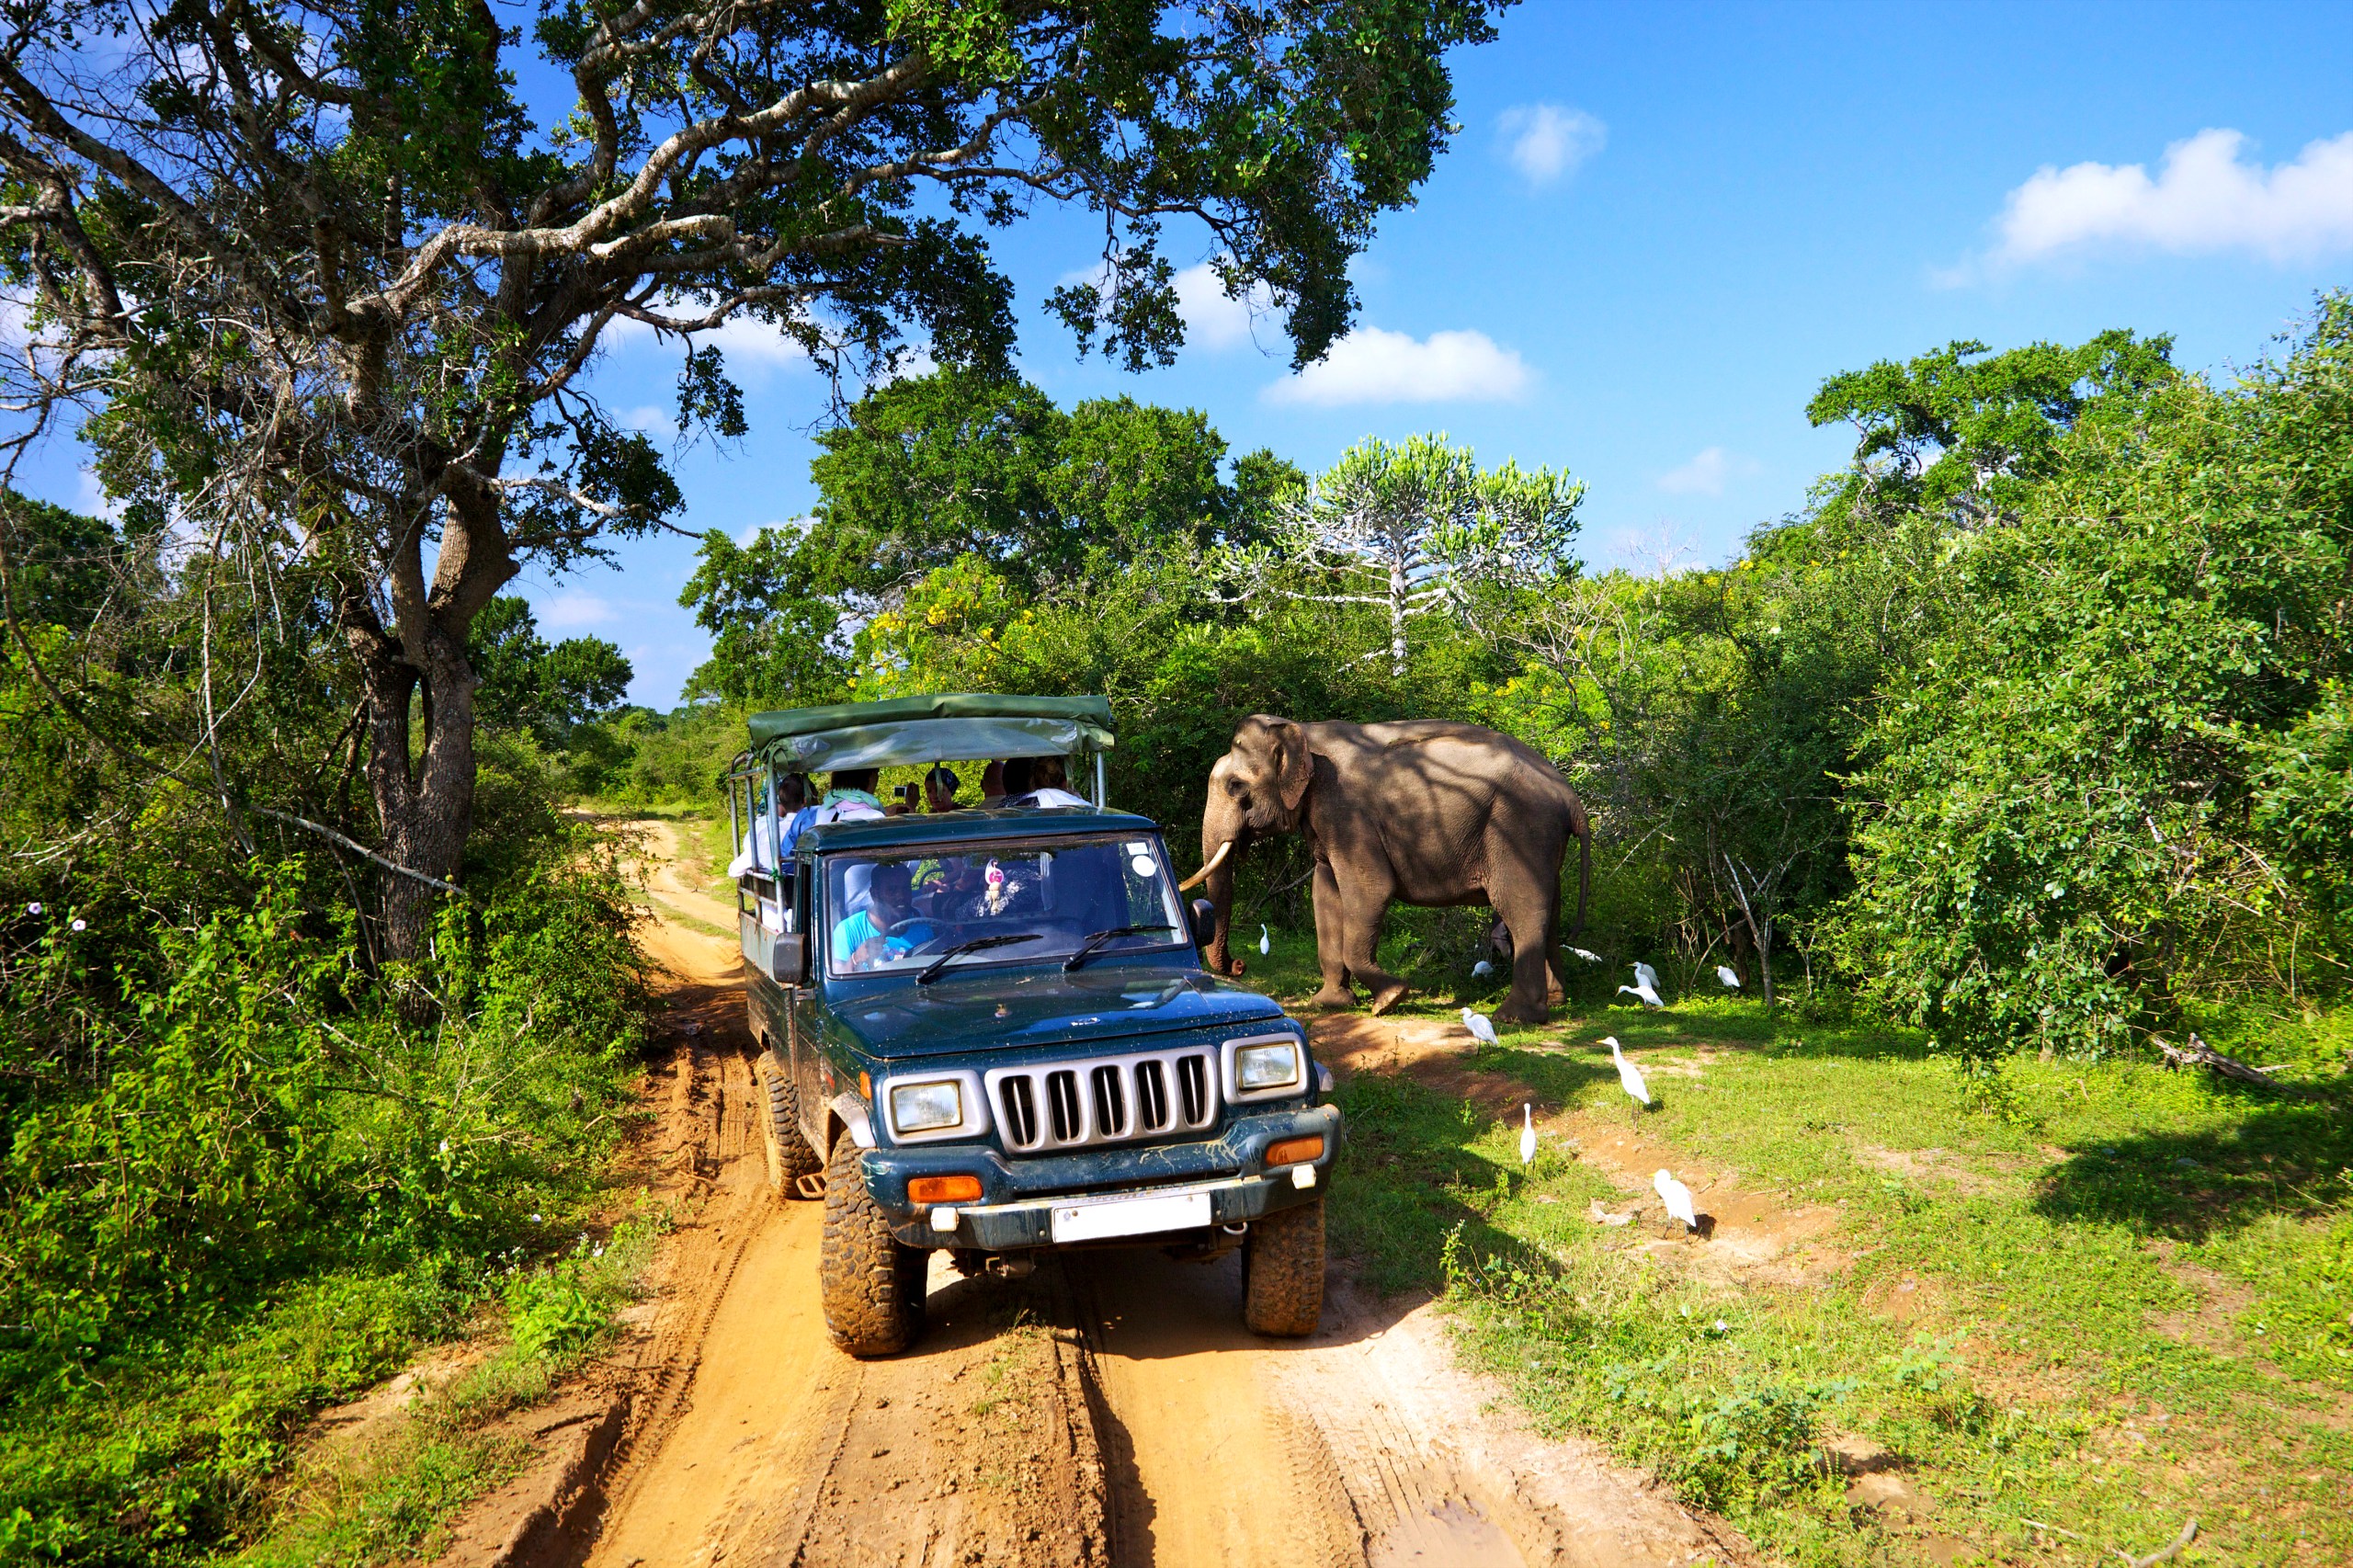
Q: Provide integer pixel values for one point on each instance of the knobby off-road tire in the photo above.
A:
(790, 1156)
(1282, 1271)
(872, 1287)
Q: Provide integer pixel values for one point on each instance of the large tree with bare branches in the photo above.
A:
(316, 282)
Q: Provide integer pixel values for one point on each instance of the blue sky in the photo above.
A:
(1660, 228)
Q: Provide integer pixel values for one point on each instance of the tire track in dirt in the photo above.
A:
(1109, 1409)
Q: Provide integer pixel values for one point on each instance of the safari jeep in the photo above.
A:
(990, 1032)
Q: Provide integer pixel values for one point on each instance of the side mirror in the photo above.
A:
(792, 960)
(1204, 915)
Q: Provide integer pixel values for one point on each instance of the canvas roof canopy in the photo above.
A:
(944, 726)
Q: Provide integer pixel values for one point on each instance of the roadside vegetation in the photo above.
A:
(2124, 1304)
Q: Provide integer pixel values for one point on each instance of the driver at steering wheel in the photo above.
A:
(883, 929)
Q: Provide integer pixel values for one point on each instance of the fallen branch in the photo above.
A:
(2198, 1054)
(2189, 1533)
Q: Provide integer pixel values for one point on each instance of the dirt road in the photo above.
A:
(1109, 1409)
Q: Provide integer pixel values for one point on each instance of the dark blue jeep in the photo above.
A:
(992, 1033)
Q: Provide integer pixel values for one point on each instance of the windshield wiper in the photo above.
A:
(976, 945)
(1097, 938)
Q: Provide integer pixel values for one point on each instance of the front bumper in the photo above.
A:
(1018, 1197)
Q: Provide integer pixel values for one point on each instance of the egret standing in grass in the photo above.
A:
(1725, 974)
(1643, 990)
(1527, 1135)
(1677, 1199)
(1266, 943)
(1630, 1077)
(1480, 1030)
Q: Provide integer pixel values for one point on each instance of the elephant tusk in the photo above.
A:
(1214, 861)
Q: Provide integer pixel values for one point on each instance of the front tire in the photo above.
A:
(790, 1157)
(1282, 1272)
(872, 1288)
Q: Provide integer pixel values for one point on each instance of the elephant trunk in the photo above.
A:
(1223, 842)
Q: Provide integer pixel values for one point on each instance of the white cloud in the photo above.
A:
(1212, 320)
(92, 500)
(749, 344)
(568, 612)
(776, 525)
(1705, 475)
(653, 421)
(1547, 142)
(2206, 197)
(1373, 366)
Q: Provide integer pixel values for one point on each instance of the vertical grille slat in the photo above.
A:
(1020, 1104)
(1152, 1095)
(1061, 1105)
(1110, 1101)
(1193, 1082)
(1104, 1101)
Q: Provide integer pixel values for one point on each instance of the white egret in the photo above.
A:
(1481, 970)
(1266, 943)
(1724, 972)
(1587, 954)
(1643, 991)
(1630, 1077)
(1677, 1199)
(1480, 1030)
(1527, 1135)
(1645, 975)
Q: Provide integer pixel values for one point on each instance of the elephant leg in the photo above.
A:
(1528, 914)
(1331, 942)
(1363, 905)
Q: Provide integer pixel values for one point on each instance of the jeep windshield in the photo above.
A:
(890, 911)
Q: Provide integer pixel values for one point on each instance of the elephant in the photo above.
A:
(1425, 812)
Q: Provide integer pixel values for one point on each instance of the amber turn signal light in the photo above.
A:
(1295, 1151)
(943, 1189)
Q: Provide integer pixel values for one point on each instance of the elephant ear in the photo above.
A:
(1294, 765)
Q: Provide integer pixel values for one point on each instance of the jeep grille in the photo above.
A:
(1071, 1105)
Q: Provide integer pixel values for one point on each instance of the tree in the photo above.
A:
(317, 278)
(527, 684)
(1414, 528)
(776, 639)
(928, 469)
(1956, 433)
(2097, 797)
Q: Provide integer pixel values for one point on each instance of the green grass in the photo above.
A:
(2130, 1292)
(393, 1498)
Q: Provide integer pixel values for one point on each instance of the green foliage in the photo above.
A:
(527, 684)
(2094, 786)
(243, 1186)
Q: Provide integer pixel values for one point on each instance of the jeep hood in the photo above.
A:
(1043, 1008)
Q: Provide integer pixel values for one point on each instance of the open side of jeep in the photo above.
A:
(990, 1032)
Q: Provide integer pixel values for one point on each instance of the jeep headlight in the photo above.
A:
(926, 1107)
(1258, 1068)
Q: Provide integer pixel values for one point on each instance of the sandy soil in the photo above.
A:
(1109, 1409)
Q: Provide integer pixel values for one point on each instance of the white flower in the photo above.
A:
(81, 924)
(535, 1219)
(1722, 1327)
(32, 909)
(445, 1145)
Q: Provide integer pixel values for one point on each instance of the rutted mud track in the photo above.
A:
(1109, 1409)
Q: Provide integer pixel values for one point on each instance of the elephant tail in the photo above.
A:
(1582, 825)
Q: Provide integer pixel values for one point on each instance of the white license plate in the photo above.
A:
(1130, 1217)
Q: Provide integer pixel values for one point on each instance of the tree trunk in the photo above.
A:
(424, 803)
(1397, 590)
